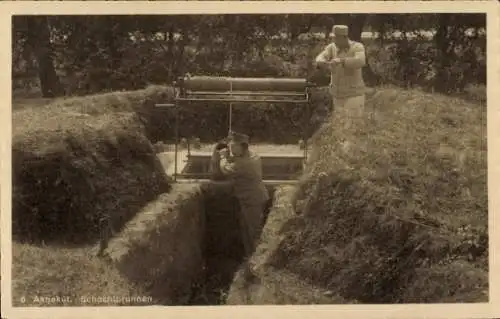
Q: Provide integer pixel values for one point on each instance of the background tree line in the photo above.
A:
(68, 55)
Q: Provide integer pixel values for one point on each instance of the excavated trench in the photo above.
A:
(223, 248)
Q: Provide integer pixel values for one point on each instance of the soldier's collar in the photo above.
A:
(347, 48)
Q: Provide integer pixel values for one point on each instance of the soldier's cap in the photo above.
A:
(238, 137)
(340, 30)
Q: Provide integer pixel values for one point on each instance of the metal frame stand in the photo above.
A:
(229, 95)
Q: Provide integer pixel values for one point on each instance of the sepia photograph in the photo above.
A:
(249, 159)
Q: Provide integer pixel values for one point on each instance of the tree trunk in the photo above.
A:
(442, 45)
(170, 53)
(356, 25)
(39, 41)
(111, 37)
(179, 69)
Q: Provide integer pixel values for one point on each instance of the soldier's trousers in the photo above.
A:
(251, 223)
(350, 110)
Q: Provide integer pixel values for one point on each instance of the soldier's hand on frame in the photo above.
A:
(220, 145)
(224, 152)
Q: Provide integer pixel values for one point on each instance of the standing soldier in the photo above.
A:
(244, 168)
(345, 59)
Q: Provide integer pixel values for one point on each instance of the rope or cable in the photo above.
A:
(230, 107)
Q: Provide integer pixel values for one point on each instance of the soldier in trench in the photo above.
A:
(344, 59)
(244, 168)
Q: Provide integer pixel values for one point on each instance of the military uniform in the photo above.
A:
(346, 79)
(245, 172)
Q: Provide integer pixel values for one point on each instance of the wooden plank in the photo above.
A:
(265, 176)
(208, 181)
(212, 83)
(298, 155)
(249, 93)
(236, 100)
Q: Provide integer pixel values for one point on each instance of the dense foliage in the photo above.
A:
(71, 55)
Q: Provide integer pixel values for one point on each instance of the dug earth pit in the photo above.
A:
(224, 252)
(185, 247)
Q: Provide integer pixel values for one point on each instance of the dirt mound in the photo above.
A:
(162, 248)
(157, 121)
(276, 123)
(79, 161)
(391, 204)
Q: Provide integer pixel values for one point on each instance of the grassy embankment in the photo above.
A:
(393, 209)
(76, 161)
(414, 178)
